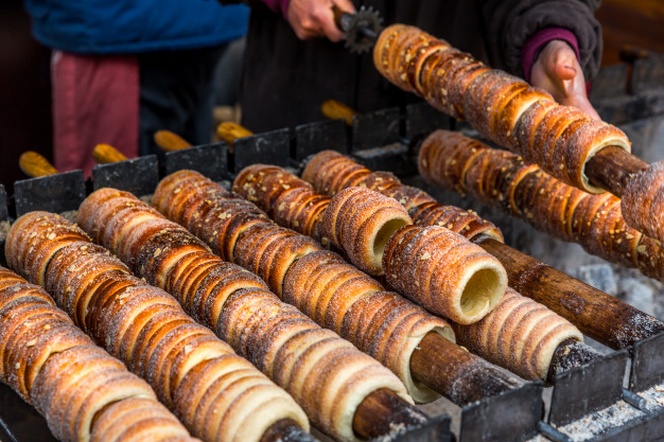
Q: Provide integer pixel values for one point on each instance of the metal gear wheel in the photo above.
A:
(362, 29)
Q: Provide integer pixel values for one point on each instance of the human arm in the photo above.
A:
(540, 40)
(311, 18)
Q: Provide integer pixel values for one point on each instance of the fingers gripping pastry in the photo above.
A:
(519, 334)
(360, 222)
(501, 107)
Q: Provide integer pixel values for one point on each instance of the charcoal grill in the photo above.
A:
(621, 393)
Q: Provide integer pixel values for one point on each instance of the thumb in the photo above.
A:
(565, 71)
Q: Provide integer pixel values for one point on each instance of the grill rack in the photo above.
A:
(382, 140)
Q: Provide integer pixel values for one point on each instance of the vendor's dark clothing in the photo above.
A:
(177, 93)
(285, 80)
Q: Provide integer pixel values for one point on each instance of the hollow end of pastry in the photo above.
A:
(481, 293)
(383, 235)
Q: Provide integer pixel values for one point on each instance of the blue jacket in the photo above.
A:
(134, 26)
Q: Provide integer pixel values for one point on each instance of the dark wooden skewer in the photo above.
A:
(380, 411)
(612, 168)
(570, 354)
(598, 315)
(376, 416)
(286, 430)
(464, 377)
(456, 373)
(448, 369)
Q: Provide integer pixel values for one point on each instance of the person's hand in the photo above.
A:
(314, 18)
(558, 71)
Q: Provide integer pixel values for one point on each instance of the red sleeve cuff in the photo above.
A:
(277, 6)
(537, 41)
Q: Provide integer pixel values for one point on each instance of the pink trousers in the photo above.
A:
(95, 100)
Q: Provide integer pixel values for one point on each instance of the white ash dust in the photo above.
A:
(4, 229)
(599, 422)
(654, 399)
(594, 425)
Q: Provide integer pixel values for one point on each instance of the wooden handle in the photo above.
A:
(338, 14)
(229, 132)
(169, 141)
(598, 315)
(383, 411)
(335, 110)
(611, 169)
(105, 153)
(34, 165)
(456, 373)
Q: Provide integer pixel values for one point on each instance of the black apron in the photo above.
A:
(285, 80)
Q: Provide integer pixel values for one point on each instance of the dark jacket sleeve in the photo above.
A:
(510, 23)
